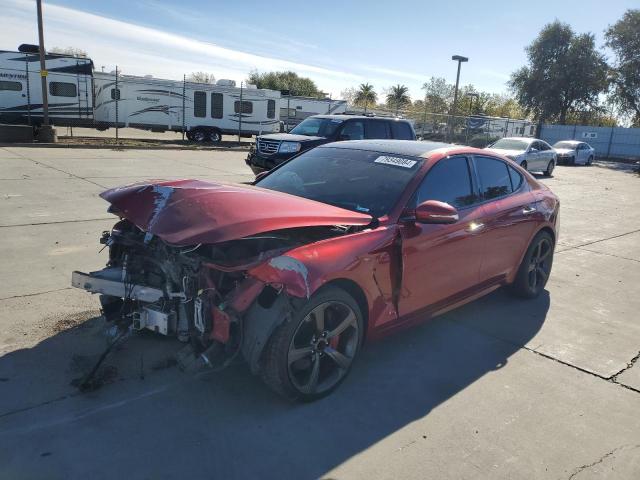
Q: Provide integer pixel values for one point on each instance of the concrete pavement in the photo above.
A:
(501, 388)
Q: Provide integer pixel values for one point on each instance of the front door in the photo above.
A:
(441, 261)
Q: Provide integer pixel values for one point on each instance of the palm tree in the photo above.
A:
(398, 96)
(365, 95)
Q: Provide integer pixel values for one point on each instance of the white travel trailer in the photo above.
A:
(205, 111)
(69, 85)
(295, 109)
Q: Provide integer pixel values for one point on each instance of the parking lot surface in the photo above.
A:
(501, 388)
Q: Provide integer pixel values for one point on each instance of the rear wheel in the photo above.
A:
(308, 356)
(535, 268)
(550, 167)
(215, 136)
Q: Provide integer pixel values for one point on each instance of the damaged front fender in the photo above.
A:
(286, 272)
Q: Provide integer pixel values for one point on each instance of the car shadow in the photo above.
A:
(229, 425)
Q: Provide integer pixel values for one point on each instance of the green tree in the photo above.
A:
(398, 97)
(365, 96)
(565, 72)
(623, 38)
(201, 77)
(297, 86)
(438, 95)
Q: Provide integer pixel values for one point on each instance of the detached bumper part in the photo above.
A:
(108, 282)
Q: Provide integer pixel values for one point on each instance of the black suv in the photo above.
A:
(273, 149)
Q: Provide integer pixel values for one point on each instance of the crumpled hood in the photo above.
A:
(187, 212)
(506, 153)
(290, 137)
(565, 151)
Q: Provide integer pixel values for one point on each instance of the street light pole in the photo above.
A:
(459, 59)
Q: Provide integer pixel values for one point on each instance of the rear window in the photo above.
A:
(495, 178)
(359, 180)
(378, 129)
(402, 131)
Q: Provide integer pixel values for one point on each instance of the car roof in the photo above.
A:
(412, 148)
(338, 116)
(524, 139)
(576, 142)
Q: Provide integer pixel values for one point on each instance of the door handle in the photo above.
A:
(528, 210)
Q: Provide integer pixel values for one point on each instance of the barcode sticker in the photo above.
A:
(397, 161)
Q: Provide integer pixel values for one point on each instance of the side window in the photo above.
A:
(516, 178)
(353, 130)
(448, 181)
(543, 146)
(283, 113)
(247, 107)
(63, 89)
(377, 129)
(115, 94)
(401, 131)
(271, 109)
(13, 86)
(495, 178)
(199, 104)
(216, 105)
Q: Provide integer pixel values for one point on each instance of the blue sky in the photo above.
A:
(337, 43)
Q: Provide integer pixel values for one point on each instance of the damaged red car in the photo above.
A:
(341, 245)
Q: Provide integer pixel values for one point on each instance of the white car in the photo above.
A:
(572, 152)
(530, 153)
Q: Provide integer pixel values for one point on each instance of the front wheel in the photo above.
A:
(198, 135)
(549, 170)
(590, 161)
(308, 356)
(535, 268)
(524, 164)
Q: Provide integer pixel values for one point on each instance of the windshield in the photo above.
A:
(565, 145)
(317, 127)
(511, 144)
(358, 180)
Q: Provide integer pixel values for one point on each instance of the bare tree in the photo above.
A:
(201, 77)
(73, 51)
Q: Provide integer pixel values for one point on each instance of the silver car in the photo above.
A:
(531, 153)
(572, 152)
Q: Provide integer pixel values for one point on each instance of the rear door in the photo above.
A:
(509, 216)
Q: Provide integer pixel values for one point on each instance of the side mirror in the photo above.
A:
(433, 211)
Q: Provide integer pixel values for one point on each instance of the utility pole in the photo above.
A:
(46, 133)
(240, 114)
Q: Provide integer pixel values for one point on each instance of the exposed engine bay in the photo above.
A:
(198, 293)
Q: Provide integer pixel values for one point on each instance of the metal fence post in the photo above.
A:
(117, 95)
(184, 96)
(610, 142)
(28, 93)
(240, 110)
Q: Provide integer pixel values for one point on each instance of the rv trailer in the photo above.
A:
(69, 83)
(293, 110)
(205, 111)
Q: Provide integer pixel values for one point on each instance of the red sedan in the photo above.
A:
(341, 245)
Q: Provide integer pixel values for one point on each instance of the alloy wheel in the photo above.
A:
(215, 137)
(198, 136)
(323, 347)
(540, 264)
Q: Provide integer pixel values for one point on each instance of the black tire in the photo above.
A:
(589, 161)
(550, 166)
(535, 268)
(215, 136)
(297, 347)
(198, 135)
(524, 164)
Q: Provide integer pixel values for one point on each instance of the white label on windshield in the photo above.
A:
(397, 161)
